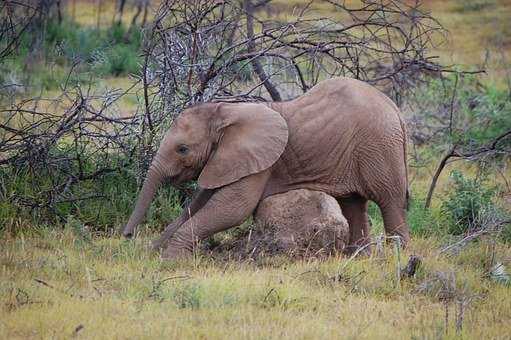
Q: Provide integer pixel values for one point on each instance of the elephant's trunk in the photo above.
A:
(153, 180)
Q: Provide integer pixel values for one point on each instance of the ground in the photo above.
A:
(56, 284)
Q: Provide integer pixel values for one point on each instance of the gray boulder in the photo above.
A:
(303, 222)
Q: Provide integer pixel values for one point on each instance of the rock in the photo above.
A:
(303, 222)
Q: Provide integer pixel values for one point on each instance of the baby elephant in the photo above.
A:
(343, 137)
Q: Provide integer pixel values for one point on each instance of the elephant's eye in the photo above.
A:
(182, 149)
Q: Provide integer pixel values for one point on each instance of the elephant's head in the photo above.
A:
(216, 143)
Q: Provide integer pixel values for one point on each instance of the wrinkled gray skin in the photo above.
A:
(343, 137)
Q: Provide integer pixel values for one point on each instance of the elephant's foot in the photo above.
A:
(159, 243)
(181, 245)
(167, 234)
(173, 253)
(156, 245)
(400, 232)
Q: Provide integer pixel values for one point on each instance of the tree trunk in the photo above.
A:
(98, 14)
(120, 11)
(127, 36)
(59, 11)
(73, 11)
(441, 166)
(256, 65)
(144, 18)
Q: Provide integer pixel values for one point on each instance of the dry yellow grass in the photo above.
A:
(92, 12)
(479, 34)
(55, 285)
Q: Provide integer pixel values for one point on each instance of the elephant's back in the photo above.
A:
(340, 107)
(331, 125)
(344, 98)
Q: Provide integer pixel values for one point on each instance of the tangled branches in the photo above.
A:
(227, 50)
(16, 18)
(83, 143)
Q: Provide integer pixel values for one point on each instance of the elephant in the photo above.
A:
(343, 137)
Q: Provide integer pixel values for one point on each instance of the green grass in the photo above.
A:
(56, 284)
(92, 53)
(101, 203)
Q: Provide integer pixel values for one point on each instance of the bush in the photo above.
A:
(422, 221)
(469, 200)
(112, 51)
(101, 202)
(119, 60)
(480, 114)
(121, 56)
(475, 5)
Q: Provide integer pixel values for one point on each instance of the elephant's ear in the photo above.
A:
(251, 139)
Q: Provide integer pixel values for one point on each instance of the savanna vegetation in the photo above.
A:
(87, 89)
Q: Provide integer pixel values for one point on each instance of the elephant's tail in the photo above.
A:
(405, 140)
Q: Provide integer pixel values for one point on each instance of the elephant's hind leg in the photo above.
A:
(354, 209)
(394, 220)
(384, 180)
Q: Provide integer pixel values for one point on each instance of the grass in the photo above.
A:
(85, 12)
(478, 34)
(59, 284)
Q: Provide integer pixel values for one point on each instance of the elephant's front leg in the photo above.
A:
(198, 201)
(229, 206)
